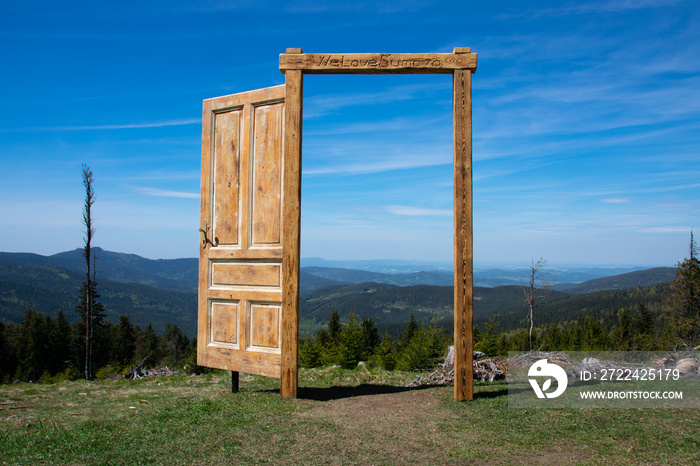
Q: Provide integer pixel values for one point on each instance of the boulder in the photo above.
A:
(687, 366)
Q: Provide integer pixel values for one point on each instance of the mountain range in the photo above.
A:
(165, 290)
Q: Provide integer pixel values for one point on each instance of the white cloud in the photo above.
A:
(154, 124)
(164, 192)
(319, 105)
(418, 211)
(666, 230)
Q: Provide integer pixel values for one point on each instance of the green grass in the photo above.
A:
(182, 420)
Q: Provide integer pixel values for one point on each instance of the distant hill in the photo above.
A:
(48, 289)
(603, 305)
(393, 304)
(309, 282)
(382, 302)
(562, 277)
(162, 291)
(167, 274)
(388, 266)
(399, 279)
(655, 276)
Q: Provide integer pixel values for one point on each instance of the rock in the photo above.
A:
(590, 364)
(687, 366)
(450, 358)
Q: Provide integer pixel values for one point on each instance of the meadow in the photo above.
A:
(342, 416)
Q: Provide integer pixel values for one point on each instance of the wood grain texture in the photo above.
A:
(241, 137)
(267, 174)
(377, 63)
(226, 160)
(461, 63)
(224, 322)
(463, 237)
(265, 331)
(245, 274)
(204, 222)
(291, 224)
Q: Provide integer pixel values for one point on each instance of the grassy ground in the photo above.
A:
(341, 417)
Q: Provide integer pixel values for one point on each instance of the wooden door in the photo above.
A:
(240, 260)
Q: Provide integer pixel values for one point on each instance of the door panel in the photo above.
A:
(240, 262)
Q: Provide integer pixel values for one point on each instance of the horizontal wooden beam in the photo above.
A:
(378, 63)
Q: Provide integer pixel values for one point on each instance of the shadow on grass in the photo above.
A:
(337, 393)
(485, 395)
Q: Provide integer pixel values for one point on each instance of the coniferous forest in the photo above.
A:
(46, 348)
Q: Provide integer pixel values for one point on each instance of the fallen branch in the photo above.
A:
(489, 369)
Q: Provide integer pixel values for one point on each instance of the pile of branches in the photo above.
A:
(484, 369)
(525, 360)
(162, 372)
(138, 371)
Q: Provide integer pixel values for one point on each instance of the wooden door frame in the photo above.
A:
(461, 63)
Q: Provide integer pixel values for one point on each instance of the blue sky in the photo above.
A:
(586, 125)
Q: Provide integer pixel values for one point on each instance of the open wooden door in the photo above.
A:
(240, 259)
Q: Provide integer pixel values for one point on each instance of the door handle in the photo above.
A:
(205, 238)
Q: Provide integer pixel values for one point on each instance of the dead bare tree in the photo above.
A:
(536, 284)
(88, 306)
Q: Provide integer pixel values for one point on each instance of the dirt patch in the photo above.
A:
(385, 428)
(403, 426)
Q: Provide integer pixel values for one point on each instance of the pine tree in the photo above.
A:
(425, 347)
(385, 353)
(148, 345)
(334, 327)
(622, 335)
(552, 338)
(89, 307)
(644, 338)
(124, 341)
(488, 341)
(32, 346)
(174, 344)
(684, 303)
(370, 335)
(408, 333)
(352, 344)
(59, 344)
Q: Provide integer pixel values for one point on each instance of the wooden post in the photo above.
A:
(291, 225)
(461, 63)
(464, 283)
(234, 381)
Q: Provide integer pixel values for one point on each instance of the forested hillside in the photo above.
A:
(341, 323)
(167, 274)
(49, 289)
(362, 276)
(164, 291)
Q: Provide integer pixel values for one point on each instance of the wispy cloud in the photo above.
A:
(418, 211)
(610, 6)
(154, 124)
(164, 192)
(616, 200)
(665, 230)
(387, 164)
(316, 106)
(317, 6)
